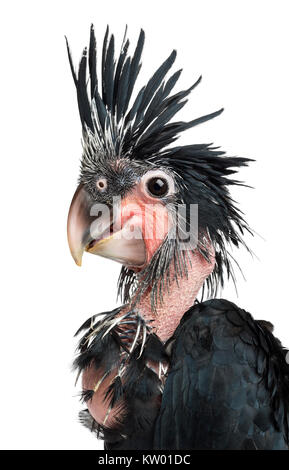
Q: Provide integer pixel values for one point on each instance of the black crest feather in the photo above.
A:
(141, 130)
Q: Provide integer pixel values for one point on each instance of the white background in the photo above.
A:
(241, 49)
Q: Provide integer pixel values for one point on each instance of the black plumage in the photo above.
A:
(135, 382)
(223, 380)
(234, 381)
(227, 386)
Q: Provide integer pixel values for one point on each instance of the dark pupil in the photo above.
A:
(157, 186)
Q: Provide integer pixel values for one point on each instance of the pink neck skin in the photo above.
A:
(166, 319)
(179, 298)
(155, 222)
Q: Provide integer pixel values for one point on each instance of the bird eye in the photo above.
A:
(157, 186)
(101, 184)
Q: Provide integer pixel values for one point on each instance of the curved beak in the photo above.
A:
(97, 229)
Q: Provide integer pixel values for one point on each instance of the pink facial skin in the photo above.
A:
(148, 214)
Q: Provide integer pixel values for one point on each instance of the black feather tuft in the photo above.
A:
(92, 63)
(86, 395)
(114, 391)
(155, 350)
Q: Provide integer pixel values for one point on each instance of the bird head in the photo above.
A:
(141, 201)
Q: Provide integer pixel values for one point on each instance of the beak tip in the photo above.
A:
(77, 258)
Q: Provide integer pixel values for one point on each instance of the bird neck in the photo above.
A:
(178, 299)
